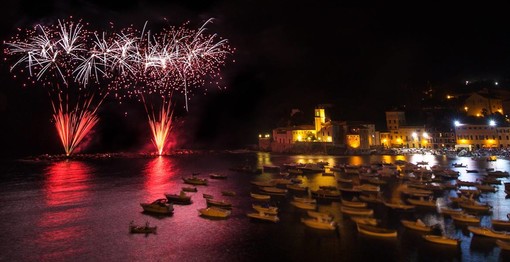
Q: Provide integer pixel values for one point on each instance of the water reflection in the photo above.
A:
(66, 193)
(159, 173)
(67, 183)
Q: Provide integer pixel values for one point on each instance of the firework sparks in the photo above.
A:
(60, 52)
(135, 63)
(160, 124)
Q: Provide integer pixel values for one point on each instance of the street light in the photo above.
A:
(456, 123)
(492, 123)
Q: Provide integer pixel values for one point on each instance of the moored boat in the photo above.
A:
(214, 212)
(319, 223)
(218, 176)
(450, 211)
(260, 196)
(263, 216)
(504, 245)
(146, 229)
(189, 189)
(356, 211)
(273, 190)
(365, 220)
(320, 215)
(272, 210)
(358, 204)
(466, 218)
(489, 232)
(442, 240)
(159, 206)
(399, 206)
(422, 202)
(376, 231)
(218, 203)
(180, 199)
(304, 205)
(416, 225)
(194, 180)
(228, 193)
(500, 223)
(305, 199)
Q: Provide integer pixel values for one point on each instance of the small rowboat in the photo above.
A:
(400, 206)
(142, 229)
(442, 240)
(304, 205)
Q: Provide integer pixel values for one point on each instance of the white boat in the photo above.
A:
(159, 206)
(260, 196)
(263, 216)
(416, 225)
(272, 210)
(304, 205)
(489, 232)
(214, 212)
(319, 223)
(442, 240)
(320, 215)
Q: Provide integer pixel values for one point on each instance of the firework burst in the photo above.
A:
(60, 53)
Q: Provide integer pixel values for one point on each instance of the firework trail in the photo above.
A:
(160, 125)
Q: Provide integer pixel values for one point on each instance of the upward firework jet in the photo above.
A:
(160, 125)
(61, 53)
(174, 59)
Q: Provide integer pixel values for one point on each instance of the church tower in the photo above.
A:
(320, 118)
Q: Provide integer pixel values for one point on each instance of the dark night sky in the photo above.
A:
(289, 55)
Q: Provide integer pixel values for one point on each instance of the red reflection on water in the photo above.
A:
(66, 192)
(159, 173)
(67, 183)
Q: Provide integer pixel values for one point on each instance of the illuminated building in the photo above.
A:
(342, 134)
(481, 136)
(482, 104)
(401, 135)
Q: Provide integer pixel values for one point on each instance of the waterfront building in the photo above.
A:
(482, 104)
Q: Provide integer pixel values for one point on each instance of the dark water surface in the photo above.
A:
(80, 211)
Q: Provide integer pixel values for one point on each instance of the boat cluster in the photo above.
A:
(360, 188)
(220, 209)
